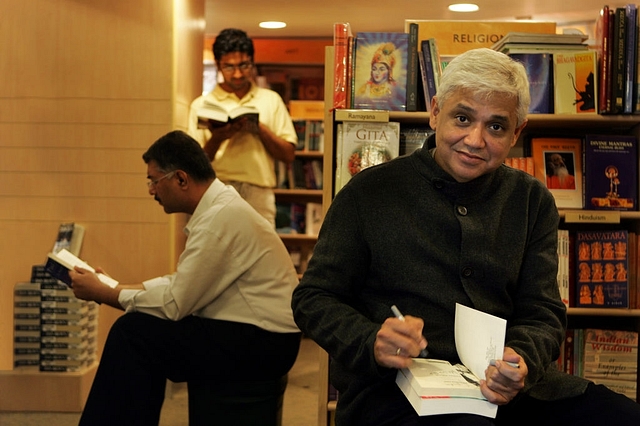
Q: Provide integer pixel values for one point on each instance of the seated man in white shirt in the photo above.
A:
(227, 303)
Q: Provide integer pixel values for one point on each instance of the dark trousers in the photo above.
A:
(143, 351)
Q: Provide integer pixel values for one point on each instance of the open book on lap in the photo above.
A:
(434, 386)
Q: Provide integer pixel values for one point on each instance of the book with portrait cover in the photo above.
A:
(380, 71)
(602, 269)
(574, 82)
(610, 172)
(558, 164)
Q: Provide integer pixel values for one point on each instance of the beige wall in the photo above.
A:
(86, 86)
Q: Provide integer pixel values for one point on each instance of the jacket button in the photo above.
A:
(466, 272)
(462, 210)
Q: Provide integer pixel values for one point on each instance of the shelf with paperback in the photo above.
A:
(299, 184)
(549, 124)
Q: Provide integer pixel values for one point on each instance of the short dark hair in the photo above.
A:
(178, 151)
(232, 40)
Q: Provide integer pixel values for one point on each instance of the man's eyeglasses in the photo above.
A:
(152, 183)
(242, 66)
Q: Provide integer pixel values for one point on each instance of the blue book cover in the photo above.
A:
(429, 73)
(602, 269)
(539, 67)
(380, 80)
(610, 172)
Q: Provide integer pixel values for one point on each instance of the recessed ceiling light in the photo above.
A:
(272, 24)
(463, 7)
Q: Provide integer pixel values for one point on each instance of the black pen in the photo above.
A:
(424, 352)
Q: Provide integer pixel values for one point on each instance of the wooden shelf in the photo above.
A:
(298, 238)
(604, 312)
(298, 195)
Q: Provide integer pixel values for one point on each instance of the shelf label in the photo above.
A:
(362, 115)
(592, 216)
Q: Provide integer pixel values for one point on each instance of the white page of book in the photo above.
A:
(479, 338)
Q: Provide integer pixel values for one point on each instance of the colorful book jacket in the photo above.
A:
(575, 84)
(602, 262)
(558, 164)
(380, 78)
(610, 172)
(539, 68)
(362, 144)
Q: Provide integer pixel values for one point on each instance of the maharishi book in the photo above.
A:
(558, 164)
(575, 84)
(380, 72)
(611, 172)
(435, 387)
(602, 269)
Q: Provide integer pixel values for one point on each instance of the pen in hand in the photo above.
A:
(424, 352)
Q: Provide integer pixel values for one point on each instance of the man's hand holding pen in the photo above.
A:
(398, 341)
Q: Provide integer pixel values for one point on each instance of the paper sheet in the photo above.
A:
(479, 338)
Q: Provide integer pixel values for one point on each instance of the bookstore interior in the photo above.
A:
(581, 141)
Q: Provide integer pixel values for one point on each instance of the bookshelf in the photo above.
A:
(548, 124)
(300, 245)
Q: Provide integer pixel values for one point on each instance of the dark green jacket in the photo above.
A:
(406, 233)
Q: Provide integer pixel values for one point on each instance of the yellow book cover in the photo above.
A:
(456, 37)
(575, 83)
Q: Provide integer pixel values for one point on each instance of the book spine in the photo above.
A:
(430, 82)
(631, 47)
(619, 54)
(341, 33)
(412, 69)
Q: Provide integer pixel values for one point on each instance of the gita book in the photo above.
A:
(574, 82)
(602, 269)
(380, 71)
(611, 172)
(362, 144)
(435, 387)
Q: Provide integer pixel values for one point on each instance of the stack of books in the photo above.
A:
(561, 69)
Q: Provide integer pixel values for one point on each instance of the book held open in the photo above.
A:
(434, 386)
(212, 112)
(59, 264)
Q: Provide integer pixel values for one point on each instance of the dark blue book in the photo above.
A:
(602, 269)
(610, 165)
(429, 79)
(539, 67)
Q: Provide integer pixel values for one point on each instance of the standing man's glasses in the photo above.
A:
(242, 66)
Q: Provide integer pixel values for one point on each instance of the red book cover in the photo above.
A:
(341, 34)
(603, 48)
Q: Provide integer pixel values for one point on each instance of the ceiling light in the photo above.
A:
(272, 24)
(463, 7)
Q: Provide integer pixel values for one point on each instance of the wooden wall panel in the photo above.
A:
(88, 86)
